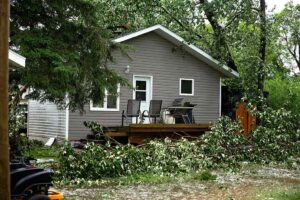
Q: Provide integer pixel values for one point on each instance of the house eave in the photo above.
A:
(16, 60)
(177, 40)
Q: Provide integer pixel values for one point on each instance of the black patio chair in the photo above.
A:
(154, 110)
(133, 110)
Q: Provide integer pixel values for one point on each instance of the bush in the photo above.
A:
(284, 92)
(205, 176)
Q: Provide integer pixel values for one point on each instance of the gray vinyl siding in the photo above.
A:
(154, 56)
(45, 121)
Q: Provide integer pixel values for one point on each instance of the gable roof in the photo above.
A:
(16, 59)
(177, 40)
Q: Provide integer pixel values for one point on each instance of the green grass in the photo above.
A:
(204, 176)
(292, 193)
(145, 178)
(44, 152)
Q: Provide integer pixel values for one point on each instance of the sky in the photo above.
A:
(278, 4)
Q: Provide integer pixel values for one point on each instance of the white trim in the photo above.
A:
(67, 119)
(92, 108)
(138, 33)
(151, 84)
(16, 59)
(150, 93)
(220, 98)
(193, 87)
(192, 49)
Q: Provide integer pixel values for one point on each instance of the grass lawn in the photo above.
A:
(44, 152)
(292, 193)
(259, 183)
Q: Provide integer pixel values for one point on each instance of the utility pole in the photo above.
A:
(4, 154)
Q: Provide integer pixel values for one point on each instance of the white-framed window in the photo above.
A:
(186, 87)
(110, 102)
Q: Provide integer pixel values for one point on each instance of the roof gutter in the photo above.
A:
(16, 59)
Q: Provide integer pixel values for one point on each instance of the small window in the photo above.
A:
(110, 103)
(141, 90)
(186, 87)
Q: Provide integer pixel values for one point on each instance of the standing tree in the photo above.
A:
(287, 25)
(67, 50)
(234, 32)
(4, 159)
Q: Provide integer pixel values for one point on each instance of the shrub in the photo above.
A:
(205, 176)
(284, 92)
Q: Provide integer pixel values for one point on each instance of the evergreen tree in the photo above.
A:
(67, 50)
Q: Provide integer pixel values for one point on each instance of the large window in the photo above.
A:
(186, 87)
(110, 103)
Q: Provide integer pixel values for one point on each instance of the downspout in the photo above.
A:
(220, 98)
(67, 119)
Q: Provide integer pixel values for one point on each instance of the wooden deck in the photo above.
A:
(137, 133)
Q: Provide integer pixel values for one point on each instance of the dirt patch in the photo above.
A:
(245, 185)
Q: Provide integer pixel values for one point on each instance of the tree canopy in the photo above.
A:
(67, 51)
(287, 24)
(68, 43)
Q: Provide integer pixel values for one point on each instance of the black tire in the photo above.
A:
(39, 197)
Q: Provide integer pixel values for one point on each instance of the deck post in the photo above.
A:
(4, 154)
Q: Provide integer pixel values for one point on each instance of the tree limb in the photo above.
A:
(262, 46)
(219, 34)
(17, 98)
(180, 23)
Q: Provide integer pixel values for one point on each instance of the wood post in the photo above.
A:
(4, 154)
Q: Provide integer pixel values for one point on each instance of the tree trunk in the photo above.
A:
(219, 35)
(4, 156)
(262, 47)
(298, 61)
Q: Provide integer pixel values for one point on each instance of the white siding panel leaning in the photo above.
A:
(45, 120)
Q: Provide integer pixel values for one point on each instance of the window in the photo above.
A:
(186, 87)
(110, 103)
(141, 90)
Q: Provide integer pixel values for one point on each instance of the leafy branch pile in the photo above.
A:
(97, 161)
(275, 140)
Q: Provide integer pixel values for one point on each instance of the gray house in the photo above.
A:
(163, 66)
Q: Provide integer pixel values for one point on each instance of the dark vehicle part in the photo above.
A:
(29, 182)
(39, 197)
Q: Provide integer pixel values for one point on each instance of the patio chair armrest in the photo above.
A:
(145, 115)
